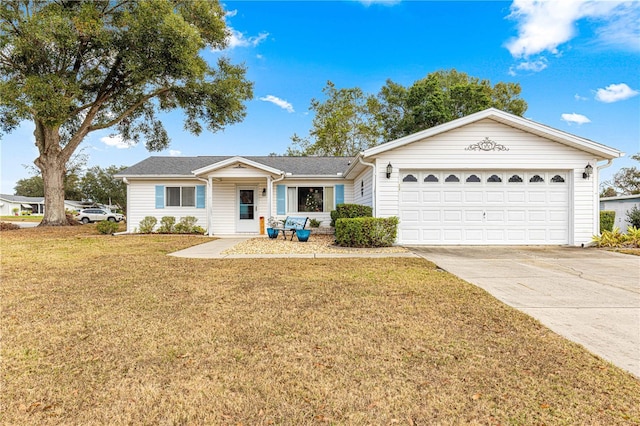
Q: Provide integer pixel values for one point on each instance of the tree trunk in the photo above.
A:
(51, 163)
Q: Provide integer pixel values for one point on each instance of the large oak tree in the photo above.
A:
(75, 67)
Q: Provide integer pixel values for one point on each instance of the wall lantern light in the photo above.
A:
(389, 170)
(588, 171)
(264, 192)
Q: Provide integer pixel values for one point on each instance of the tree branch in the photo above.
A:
(130, 110)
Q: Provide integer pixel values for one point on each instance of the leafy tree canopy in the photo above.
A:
(627, 180)
(74, 67)
(99, 186)
(349, 120)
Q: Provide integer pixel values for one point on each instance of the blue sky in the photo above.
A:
(578, 63)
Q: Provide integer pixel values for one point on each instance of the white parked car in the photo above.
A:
(97, 215)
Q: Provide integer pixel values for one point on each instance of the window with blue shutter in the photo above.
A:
(159, 196)
(339, 194)
(200, 197)
(281, 206)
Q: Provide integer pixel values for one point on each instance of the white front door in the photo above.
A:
(247, 209)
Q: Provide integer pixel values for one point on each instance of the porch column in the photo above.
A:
(269, 197)
(209, 205)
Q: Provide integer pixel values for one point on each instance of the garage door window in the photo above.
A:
(473, 179)
(557, 179)
(431, 178)
(536, 179)
(515, 179)
(494, 179)
(452, 178)
(409, 178)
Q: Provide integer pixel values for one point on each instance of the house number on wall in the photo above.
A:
(486, 145)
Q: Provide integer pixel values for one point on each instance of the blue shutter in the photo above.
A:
(281, 205)
(159, 196)
(339, 194)
(200, 189)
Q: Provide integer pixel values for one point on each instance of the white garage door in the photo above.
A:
(488, 207)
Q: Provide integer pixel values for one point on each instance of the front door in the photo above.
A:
(246, 219)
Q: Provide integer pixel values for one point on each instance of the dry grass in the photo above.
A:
(110, 330)
(25, 218)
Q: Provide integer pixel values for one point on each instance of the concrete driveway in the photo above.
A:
(589, 296)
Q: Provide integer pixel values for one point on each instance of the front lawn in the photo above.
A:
(21, 218)
(109, 330)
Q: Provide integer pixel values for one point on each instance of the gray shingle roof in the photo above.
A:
(183, 166)
(21, 199)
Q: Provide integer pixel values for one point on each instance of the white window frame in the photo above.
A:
(181, 197)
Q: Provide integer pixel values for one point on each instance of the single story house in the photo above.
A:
(33, 205)
(621, 205)
(487, 178)
(19, 203)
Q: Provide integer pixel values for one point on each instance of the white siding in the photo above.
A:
(141, 202)
(525, 152)
(225, 204)
(621, 207)
(363, 188)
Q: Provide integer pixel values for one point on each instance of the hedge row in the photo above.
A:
(348, 211)
(607, 218)
(168, 225)
(366, 231)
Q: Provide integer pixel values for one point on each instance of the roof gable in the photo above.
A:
(511, 120)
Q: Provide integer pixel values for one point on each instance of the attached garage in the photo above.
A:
(490, 178)
(484, 207)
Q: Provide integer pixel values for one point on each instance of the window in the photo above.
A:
(452, 178)
(557, 179)
(536, 178)
(310, 199)
(473, 178)
(409, 178)
(431, 178)
(515, 179)
(494, 179)
(181, 196)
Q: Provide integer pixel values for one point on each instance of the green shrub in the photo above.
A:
(350, 211)
(198, 230)
(366, 231)
(633, 217)
(186, 225)
(106, 227)
(314, 223)
(607, 218)
(147, 224)
(167, 224)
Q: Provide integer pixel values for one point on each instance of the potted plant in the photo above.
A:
(272, 230)
(303, 234)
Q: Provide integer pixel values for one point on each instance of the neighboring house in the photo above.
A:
(621, 205)
(488, 178)
(34, 205)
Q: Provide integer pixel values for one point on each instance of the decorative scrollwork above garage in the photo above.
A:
(486, 145)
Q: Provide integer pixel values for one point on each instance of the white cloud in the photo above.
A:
(615, 93)
(174, 153)
(575, 118)
(580, 98)
(116, 141)
(279, 102)
(531, 66)
(545, 25)
(382, 2)
(238, 39)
